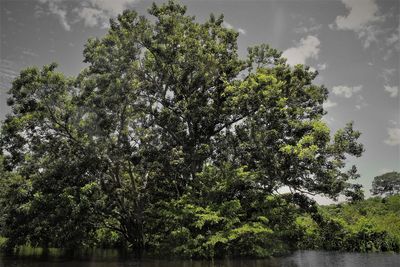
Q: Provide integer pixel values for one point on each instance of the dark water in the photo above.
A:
(299, 258)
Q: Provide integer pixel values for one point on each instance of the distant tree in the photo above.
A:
(388, 183)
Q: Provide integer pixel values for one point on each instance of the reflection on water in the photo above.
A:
(111, 258)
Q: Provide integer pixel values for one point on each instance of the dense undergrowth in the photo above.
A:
(190, 231)
(369, 225)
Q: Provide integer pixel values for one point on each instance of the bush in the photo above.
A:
(367, 226)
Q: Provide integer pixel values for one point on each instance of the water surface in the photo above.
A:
(299, 258)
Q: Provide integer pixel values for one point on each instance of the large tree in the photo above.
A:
(168, 118)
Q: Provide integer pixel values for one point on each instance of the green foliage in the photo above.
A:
(3, 242)
(388, 183)
(369, 225)
(217, 224)
(169, 143)
(106, 238)
(197, 232)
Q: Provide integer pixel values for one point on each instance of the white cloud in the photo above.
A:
(360, 102)
(91, 17)
(370, 35)
(322, 66)
(227, 25)
(307, 48)
(361, 18)
(305, 30)
(393, 90)
(387, 75)
(308, 27)
(98, 12)
(393, 39)
(394, 137)
(230, 26)
(346, 91)
(361, 13)
(113, 7)
(241, 31)
(329, 104)
(91, 12)
(393, 44)
(58, 10)
(29, 52)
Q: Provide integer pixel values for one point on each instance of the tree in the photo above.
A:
(51, 202)
(166, 113)
(388, 183)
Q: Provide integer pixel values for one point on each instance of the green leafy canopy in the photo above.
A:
(167, 115)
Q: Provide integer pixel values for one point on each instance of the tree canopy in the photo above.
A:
(171, 141)
(388, 183)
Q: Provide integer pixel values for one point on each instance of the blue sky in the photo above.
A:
(354, 44)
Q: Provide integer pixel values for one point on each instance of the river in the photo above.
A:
(299, 258)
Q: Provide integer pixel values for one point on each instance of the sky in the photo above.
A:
(354, 45)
